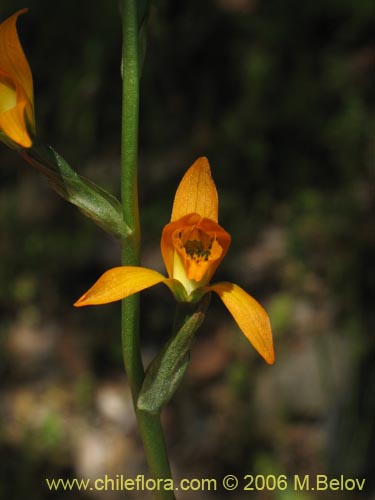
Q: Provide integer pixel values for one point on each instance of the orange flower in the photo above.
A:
(192, 245)
(16, 88)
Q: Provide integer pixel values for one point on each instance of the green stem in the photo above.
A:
(129, 190)
(149, 425)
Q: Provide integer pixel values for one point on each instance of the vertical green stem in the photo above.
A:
(149, 424)
(129, 190)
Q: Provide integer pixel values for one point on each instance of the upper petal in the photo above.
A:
(119, 283)
(249, 316)
(196, 193)
(13, 61)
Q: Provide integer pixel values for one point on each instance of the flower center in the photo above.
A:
(198, 251)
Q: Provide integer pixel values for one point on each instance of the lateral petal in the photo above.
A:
(121, 282)
(249, 315)
(196, 193)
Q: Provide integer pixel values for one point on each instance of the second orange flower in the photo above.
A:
(17, 121)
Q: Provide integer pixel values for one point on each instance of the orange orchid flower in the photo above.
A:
(16, 88)
(192, 245)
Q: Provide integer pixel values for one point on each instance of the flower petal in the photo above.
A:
(16, 88)
(196, 193)
(121, 282)
(249, 316)
(12, 57)
(12, 125)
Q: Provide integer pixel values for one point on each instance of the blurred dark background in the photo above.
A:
(278, 96)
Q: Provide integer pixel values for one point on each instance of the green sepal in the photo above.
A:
(166, 371)
(181, 295)
(93, 201)
(178, 290)
(197, 294)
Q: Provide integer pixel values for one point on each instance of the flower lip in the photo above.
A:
(200, 244)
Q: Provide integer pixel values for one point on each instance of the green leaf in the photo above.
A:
(166, 371)
(93, 201)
